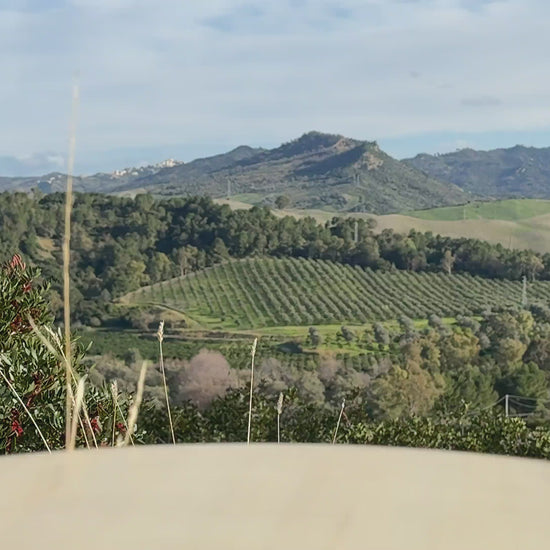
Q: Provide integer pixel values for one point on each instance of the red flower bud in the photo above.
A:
(94, 423)
(17, 262)
(16, 428)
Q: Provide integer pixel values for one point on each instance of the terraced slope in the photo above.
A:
(267, 292)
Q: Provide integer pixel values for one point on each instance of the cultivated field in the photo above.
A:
(269, 292)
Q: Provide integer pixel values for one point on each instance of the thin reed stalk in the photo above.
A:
(59, 353)
(254, 344)
(116, 407)
(160, 336)
(339, 420)
(66, 260)
(14, 391)
(114, 395)
(134, 409)
(76, 412)
(125, 424)
(86, 440)
(279, 412)
(88, 421)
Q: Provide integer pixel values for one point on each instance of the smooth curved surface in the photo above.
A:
(263, 497)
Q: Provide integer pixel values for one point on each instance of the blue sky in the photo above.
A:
(189, 78)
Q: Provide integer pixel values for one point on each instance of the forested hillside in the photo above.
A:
(121, 244)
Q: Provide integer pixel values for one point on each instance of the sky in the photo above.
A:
(190, 78)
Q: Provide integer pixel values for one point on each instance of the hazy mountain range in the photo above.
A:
(515, 172)
(328, 171)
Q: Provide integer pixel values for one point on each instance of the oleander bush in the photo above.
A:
(33, 373)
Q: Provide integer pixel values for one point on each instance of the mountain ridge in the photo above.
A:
(512, 172)
(329, 171)
(316, 170)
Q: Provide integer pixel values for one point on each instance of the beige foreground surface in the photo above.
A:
(299, 497)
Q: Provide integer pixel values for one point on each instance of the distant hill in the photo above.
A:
(501, 173)
(328, 172)
(315, 171)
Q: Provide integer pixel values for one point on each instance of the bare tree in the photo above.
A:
(206, 377)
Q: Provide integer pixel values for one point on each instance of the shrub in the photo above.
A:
(347, 334)
(314, 337)
(35, 373)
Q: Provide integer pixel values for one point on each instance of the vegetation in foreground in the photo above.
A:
(387, 372)
(214, 406)
(32, 367)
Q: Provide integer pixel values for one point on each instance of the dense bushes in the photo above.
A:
(226, 420)
(415, 370)
(33, 373)
(416, 398)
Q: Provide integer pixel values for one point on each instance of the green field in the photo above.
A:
(267, 292)
(510, 210)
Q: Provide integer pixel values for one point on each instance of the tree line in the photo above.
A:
(120, 244)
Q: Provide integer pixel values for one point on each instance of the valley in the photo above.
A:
(436, 302)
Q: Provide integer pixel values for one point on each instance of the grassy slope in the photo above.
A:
(519, 223)
(532, 233)
(510, 210)
(258, 293)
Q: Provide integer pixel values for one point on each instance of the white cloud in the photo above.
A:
(154, 72)
(30, 165)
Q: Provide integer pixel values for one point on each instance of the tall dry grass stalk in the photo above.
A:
(134, 409)
(125, 424)
(79, 399)
(14, 391)
(339, 420)
(160, 336)
(66, 260)
(279, 412)
(254, 344)
(114, 395)
(59, 353)
(116, 407)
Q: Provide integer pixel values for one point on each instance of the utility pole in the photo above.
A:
(506, 406)
(228, 188)
(356, 232)
(524, 293)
